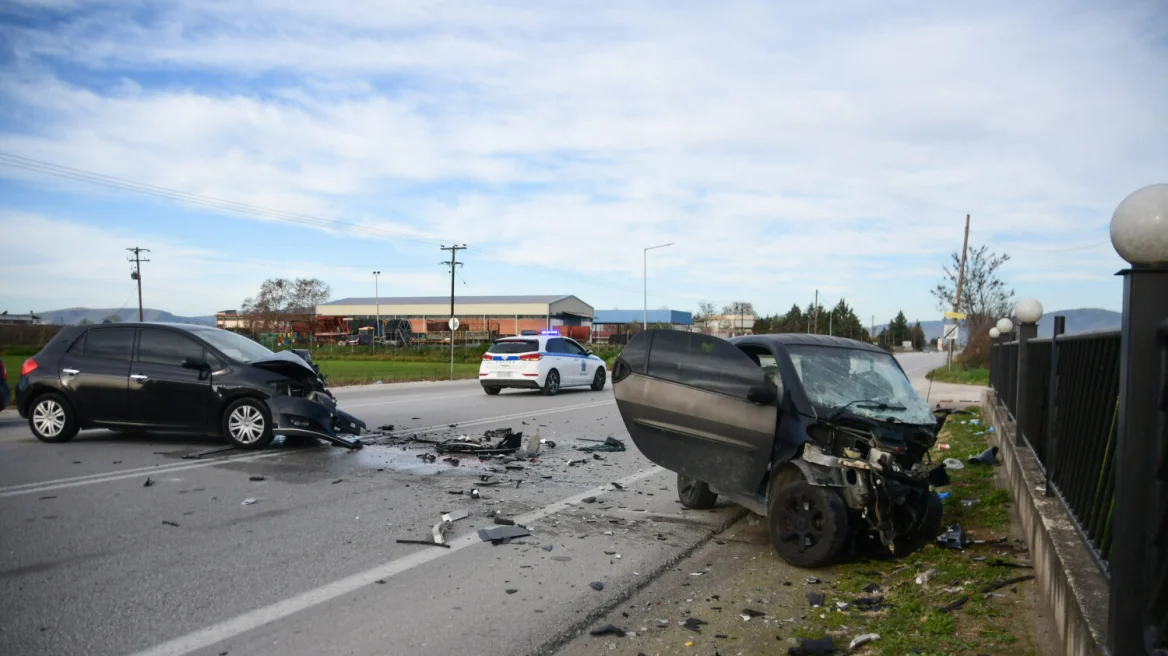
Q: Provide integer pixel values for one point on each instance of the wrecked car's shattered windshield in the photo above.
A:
(834, 377)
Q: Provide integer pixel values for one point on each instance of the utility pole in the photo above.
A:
(957, 297)
(377, 297)
(453, 263)
(136, 274)
(872, 335)
(817, 312)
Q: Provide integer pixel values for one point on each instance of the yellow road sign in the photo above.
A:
(960, 316)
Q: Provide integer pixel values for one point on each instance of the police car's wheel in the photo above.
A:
(492, 390)
(552, 384)
(598, 380)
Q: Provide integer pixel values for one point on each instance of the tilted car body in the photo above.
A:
(545, 362)
(824, 436)
(177, 377)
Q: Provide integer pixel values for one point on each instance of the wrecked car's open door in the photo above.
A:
(699, 406)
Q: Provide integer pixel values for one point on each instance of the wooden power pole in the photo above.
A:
(136, 274)
(957, 296)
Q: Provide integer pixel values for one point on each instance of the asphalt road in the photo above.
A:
(93, 561)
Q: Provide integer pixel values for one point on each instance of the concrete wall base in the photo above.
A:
(1071, 583)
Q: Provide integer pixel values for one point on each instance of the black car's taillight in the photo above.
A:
(30, 366)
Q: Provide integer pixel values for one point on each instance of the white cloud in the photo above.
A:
(780, 145)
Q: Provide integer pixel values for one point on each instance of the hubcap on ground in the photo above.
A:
(802, 522)
(49, 418)
(246, 424)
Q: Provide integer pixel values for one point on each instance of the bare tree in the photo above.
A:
(280, 296)
(706, 313)
(985, 298)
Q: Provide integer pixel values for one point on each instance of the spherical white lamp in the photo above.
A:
(1005, 326)
(995, 333)
(1139, 226)
(1028, 310)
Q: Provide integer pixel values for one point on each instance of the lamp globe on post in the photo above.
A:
(995, 333)
(1005, 326)
(1028, 311)
(1139, 233)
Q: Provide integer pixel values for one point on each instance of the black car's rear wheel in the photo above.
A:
(247, 424)
(694, 493)
(598, 380)
(808, 523)
(51, 418)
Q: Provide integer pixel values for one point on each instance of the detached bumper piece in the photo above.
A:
(316, 417)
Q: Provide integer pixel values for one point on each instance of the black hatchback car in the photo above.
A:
(177, 377)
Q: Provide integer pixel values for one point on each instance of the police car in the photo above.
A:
(546, 362)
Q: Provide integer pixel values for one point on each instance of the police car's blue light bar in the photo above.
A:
(549, 332)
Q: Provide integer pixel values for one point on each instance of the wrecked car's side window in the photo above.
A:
(704, 362)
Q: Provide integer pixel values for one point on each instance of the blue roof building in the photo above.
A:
(672, 317)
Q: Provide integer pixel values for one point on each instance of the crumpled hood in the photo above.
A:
(287, 364)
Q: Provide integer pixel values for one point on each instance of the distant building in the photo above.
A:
(18, 319)
(730, 325)
(617, 322)
(228, 320)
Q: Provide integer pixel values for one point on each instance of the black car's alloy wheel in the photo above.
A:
(551, 386)
(808, 523)
(598, 380)
(695, 494)
(51, 419)
(247, 425)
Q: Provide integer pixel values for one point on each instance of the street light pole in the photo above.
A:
(377, 298)
(645, 317)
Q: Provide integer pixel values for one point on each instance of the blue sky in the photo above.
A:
(783, 146)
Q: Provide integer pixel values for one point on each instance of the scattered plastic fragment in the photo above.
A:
(813, 580)
(998, 586)
(608, 629)
(749, 613)
(474, 494)
(617, 485)
(926, 576)
(968, 503)
(249, 501)
(427, 457)
(588, 500)
(953, 463)
(950, 607)
(502, 534)
(504, 521)
(148, 482)
(815, 599)
(987, 457)
(511, 590)
(547, 547)
(385, 427)
(842, 605)
(954, 538)
(610, 445)
(872, 588)
(256, 478)
(943, 447)
(692, 623)
(990, 429)
(597, 585)
(863, 639)
(814, 647)
(868, 604)
(170, 523)
(428, 543)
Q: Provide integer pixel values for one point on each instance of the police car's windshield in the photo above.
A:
(835, 377)
(515, 346)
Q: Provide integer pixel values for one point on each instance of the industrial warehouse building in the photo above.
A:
(497, 315)
(608, 323)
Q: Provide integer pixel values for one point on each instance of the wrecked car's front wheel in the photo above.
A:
(808, 523)
(694, 493)
(247, 424)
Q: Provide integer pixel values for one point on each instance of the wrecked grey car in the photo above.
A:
(824, 436)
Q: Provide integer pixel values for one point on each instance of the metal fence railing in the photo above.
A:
(1069, 421)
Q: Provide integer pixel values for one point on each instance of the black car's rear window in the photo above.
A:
(515, 346)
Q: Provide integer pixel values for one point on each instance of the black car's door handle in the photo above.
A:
(70, 372)
(139, 377)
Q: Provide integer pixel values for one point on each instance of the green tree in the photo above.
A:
(918, 336)
(898, 330)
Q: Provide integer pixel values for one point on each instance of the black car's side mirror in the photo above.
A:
(761, 395)
(196, 364)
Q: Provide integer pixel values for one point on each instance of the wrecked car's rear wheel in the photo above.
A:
(598, 380)
(551, 386)
(808, 523)
(492, 390)
(694, 493)
(247, 424)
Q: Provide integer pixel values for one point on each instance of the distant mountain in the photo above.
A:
(70, 316)
(1079, 320)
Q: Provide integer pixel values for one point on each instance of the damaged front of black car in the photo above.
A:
(822, 435)
(299, 403)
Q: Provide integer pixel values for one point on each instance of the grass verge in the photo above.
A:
(912, 621)
(357, 372)
(961, 375)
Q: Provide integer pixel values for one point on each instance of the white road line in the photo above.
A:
(346, 406)
(129, 473)
(217, 633)
(90, 479)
